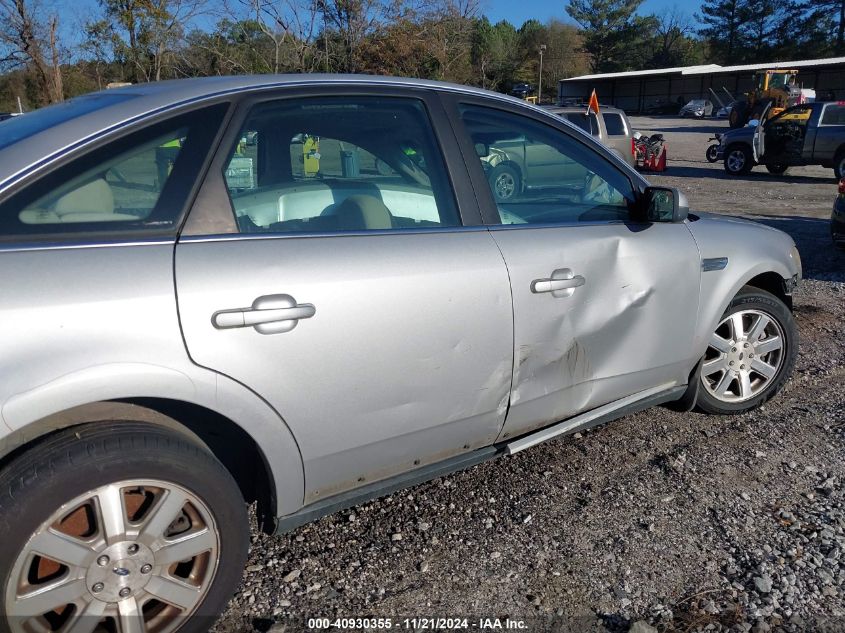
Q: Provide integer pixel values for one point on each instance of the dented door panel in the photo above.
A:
(406, 360)
(629, 326)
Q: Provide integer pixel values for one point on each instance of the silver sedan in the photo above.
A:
(302, 292)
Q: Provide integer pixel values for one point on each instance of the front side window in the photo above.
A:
(120, 187)
(338, 164)
(539, 175)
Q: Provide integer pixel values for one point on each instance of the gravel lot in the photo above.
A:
(681, 522)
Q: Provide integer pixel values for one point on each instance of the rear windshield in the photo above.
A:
(614, 124)
(586, 123)
(22, 127)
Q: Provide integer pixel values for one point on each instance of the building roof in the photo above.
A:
(712, 69)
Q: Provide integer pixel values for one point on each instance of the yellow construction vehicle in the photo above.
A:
(775, 88)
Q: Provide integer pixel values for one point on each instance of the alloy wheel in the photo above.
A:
(133, 556)
(744, 355)
(736, 160)
(505, 186)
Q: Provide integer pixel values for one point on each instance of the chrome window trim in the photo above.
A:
(555, 225)
(234, 237)
(13, 247)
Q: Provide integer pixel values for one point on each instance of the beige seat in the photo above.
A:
(362, 212)
(92, 202)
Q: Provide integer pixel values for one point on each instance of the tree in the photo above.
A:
(606, 28)
(29, 38)
(721, 27)
(146, 35)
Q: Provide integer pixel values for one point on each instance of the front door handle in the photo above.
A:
(562, 283)
(270, 314)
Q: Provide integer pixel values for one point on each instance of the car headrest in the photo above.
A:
(361, 212)
(94, 197)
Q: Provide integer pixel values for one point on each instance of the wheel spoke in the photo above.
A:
(87, 619)
(130, 619)
(186, 547)
(744, 384)
(173, 592)
(61, 548)
(722, 387)
(767, 345)
(163, 514)
(720, 344)
(758, 328)
(112, 513)
(763, 368)
(46, 599)
(737, 326)
(712, 366)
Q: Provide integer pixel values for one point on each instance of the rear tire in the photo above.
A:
(712, 153)
(751, 354)
(777, 169)
(134, 499)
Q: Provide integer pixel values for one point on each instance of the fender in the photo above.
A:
(50, 406)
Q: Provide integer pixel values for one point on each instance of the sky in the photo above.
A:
(518, 11)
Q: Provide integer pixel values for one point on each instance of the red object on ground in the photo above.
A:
(656, 162)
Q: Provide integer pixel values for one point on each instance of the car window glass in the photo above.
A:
(614, 124)
(119, 186)
(338, 164)
(539, 175)
(586, 122)
(834, 114)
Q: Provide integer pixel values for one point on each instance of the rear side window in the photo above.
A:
(136, 184)
(834, 114)
(328, 164)
(586, 122)
(615, 124)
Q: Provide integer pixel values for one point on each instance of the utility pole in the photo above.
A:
(540, 83)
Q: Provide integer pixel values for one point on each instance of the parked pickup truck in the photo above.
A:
(806, 134)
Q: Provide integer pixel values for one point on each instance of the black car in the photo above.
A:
(522, 90)
(837, 218)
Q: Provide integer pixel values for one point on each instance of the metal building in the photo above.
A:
(639, 90)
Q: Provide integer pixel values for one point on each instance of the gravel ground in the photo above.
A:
(661, 521)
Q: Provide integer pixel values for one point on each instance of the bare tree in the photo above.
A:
(292, 27)
(27, 39)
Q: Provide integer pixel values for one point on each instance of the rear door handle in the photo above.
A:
(562, 283)
(270, 314)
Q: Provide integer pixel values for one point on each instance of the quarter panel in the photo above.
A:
(751, 249)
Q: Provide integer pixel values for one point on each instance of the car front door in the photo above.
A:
(604, 307)
(347, 291)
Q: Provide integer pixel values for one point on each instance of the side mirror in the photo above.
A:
(482, 150)
(664, 204)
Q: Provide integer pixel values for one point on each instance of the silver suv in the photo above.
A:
(336, 309)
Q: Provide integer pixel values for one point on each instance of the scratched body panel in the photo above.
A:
(406, 361)
(628, 328)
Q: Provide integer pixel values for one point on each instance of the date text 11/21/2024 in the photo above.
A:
(417, 624)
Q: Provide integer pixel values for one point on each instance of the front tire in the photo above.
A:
(126, 526)
(504, 182)
(751, 354)
(839, 165)
(738, 160)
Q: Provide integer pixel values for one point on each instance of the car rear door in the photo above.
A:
(604, 307)
(357, 293)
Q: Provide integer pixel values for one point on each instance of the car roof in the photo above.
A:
(29, 150)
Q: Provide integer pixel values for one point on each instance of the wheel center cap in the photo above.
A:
(120, 571)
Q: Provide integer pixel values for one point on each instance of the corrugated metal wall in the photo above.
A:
(635, 94)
